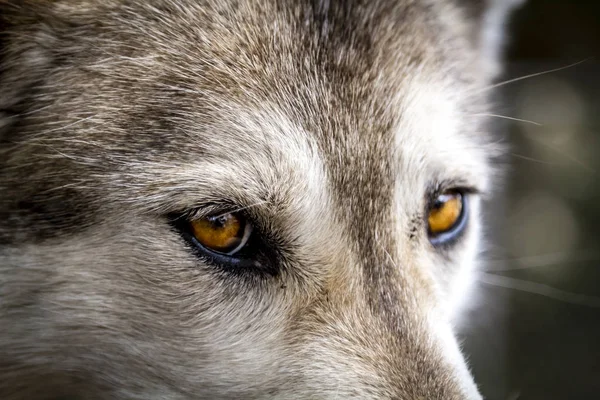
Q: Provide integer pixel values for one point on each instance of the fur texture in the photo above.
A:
(329, 122)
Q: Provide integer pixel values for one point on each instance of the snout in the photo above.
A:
(361, 355)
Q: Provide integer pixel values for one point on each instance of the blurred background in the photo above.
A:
(536, 328)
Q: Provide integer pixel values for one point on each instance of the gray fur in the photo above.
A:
(329, 121)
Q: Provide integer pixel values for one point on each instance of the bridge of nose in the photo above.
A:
(374, 309)
(379, 340)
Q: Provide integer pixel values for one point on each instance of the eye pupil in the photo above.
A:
(438, 203)
(220, 221)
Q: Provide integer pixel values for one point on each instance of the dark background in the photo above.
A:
(536, 328)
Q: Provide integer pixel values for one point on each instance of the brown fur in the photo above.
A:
(314, 115)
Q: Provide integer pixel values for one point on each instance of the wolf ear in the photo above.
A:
(490, 22)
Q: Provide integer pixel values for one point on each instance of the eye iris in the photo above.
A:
(445, 213)
(222, 233)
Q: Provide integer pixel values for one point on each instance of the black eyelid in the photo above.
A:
(452, 186)
(440, 188)
(208, 210)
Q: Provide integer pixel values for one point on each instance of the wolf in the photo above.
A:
(250, 199)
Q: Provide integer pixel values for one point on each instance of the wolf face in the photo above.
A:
(245, 199)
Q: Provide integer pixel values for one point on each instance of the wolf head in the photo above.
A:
(335, 133)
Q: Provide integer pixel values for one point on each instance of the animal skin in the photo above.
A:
(330, 125)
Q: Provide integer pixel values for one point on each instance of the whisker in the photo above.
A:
(533, 159)
(79, 121)
(387, 253)
(540, 289)
(33, 111)
(507, 117)
(544, 260)
(500, 84)
(564, 154)
(514, 396)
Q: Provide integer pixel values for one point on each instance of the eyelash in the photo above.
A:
(443, 187)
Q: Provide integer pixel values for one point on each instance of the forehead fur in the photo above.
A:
(163, 82)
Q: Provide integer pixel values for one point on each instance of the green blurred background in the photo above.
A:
(536, 329)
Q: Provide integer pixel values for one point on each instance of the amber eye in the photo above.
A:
(446, 214)
(225, 233)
